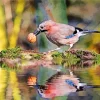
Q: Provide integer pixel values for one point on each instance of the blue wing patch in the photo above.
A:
(70, 82)
(70, 36)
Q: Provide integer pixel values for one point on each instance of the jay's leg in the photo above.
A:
(71, 73)
(51, 50)
(71, 45)
(55, 49)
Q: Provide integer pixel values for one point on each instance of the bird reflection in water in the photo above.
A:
(59, 84)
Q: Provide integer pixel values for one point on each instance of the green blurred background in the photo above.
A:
(20, 17)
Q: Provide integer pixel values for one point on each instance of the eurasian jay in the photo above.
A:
(59, 84)
(61, 34)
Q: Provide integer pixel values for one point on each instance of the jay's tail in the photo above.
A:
(82, 88)
(82, 32)
(85, 31)
(90, 31)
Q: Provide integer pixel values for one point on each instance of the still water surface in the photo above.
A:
(50, 82)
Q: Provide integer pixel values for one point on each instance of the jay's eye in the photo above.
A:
(41, 27)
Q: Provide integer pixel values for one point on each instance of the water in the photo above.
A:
(19, 82)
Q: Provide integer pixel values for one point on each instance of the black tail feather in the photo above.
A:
(82, 88)
(91, 31)
(85, 31)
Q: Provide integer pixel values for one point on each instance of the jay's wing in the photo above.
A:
(58, 85)
(66, 30)
(62, 84)
(60, 79)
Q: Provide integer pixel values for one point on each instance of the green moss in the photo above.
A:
(66, 59)
(57, 60)
(57, 57)
(36, 56)
(70, 57)
(97, 59)
(56, 54)
(8, 68)
(11, 53)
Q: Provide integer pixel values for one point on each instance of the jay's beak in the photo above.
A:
(37, 31)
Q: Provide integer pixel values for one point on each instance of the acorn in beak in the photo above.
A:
(32, 36)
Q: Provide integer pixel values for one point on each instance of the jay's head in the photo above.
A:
(44, 26)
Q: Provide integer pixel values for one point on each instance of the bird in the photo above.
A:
(59, 84)
(61, 34)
